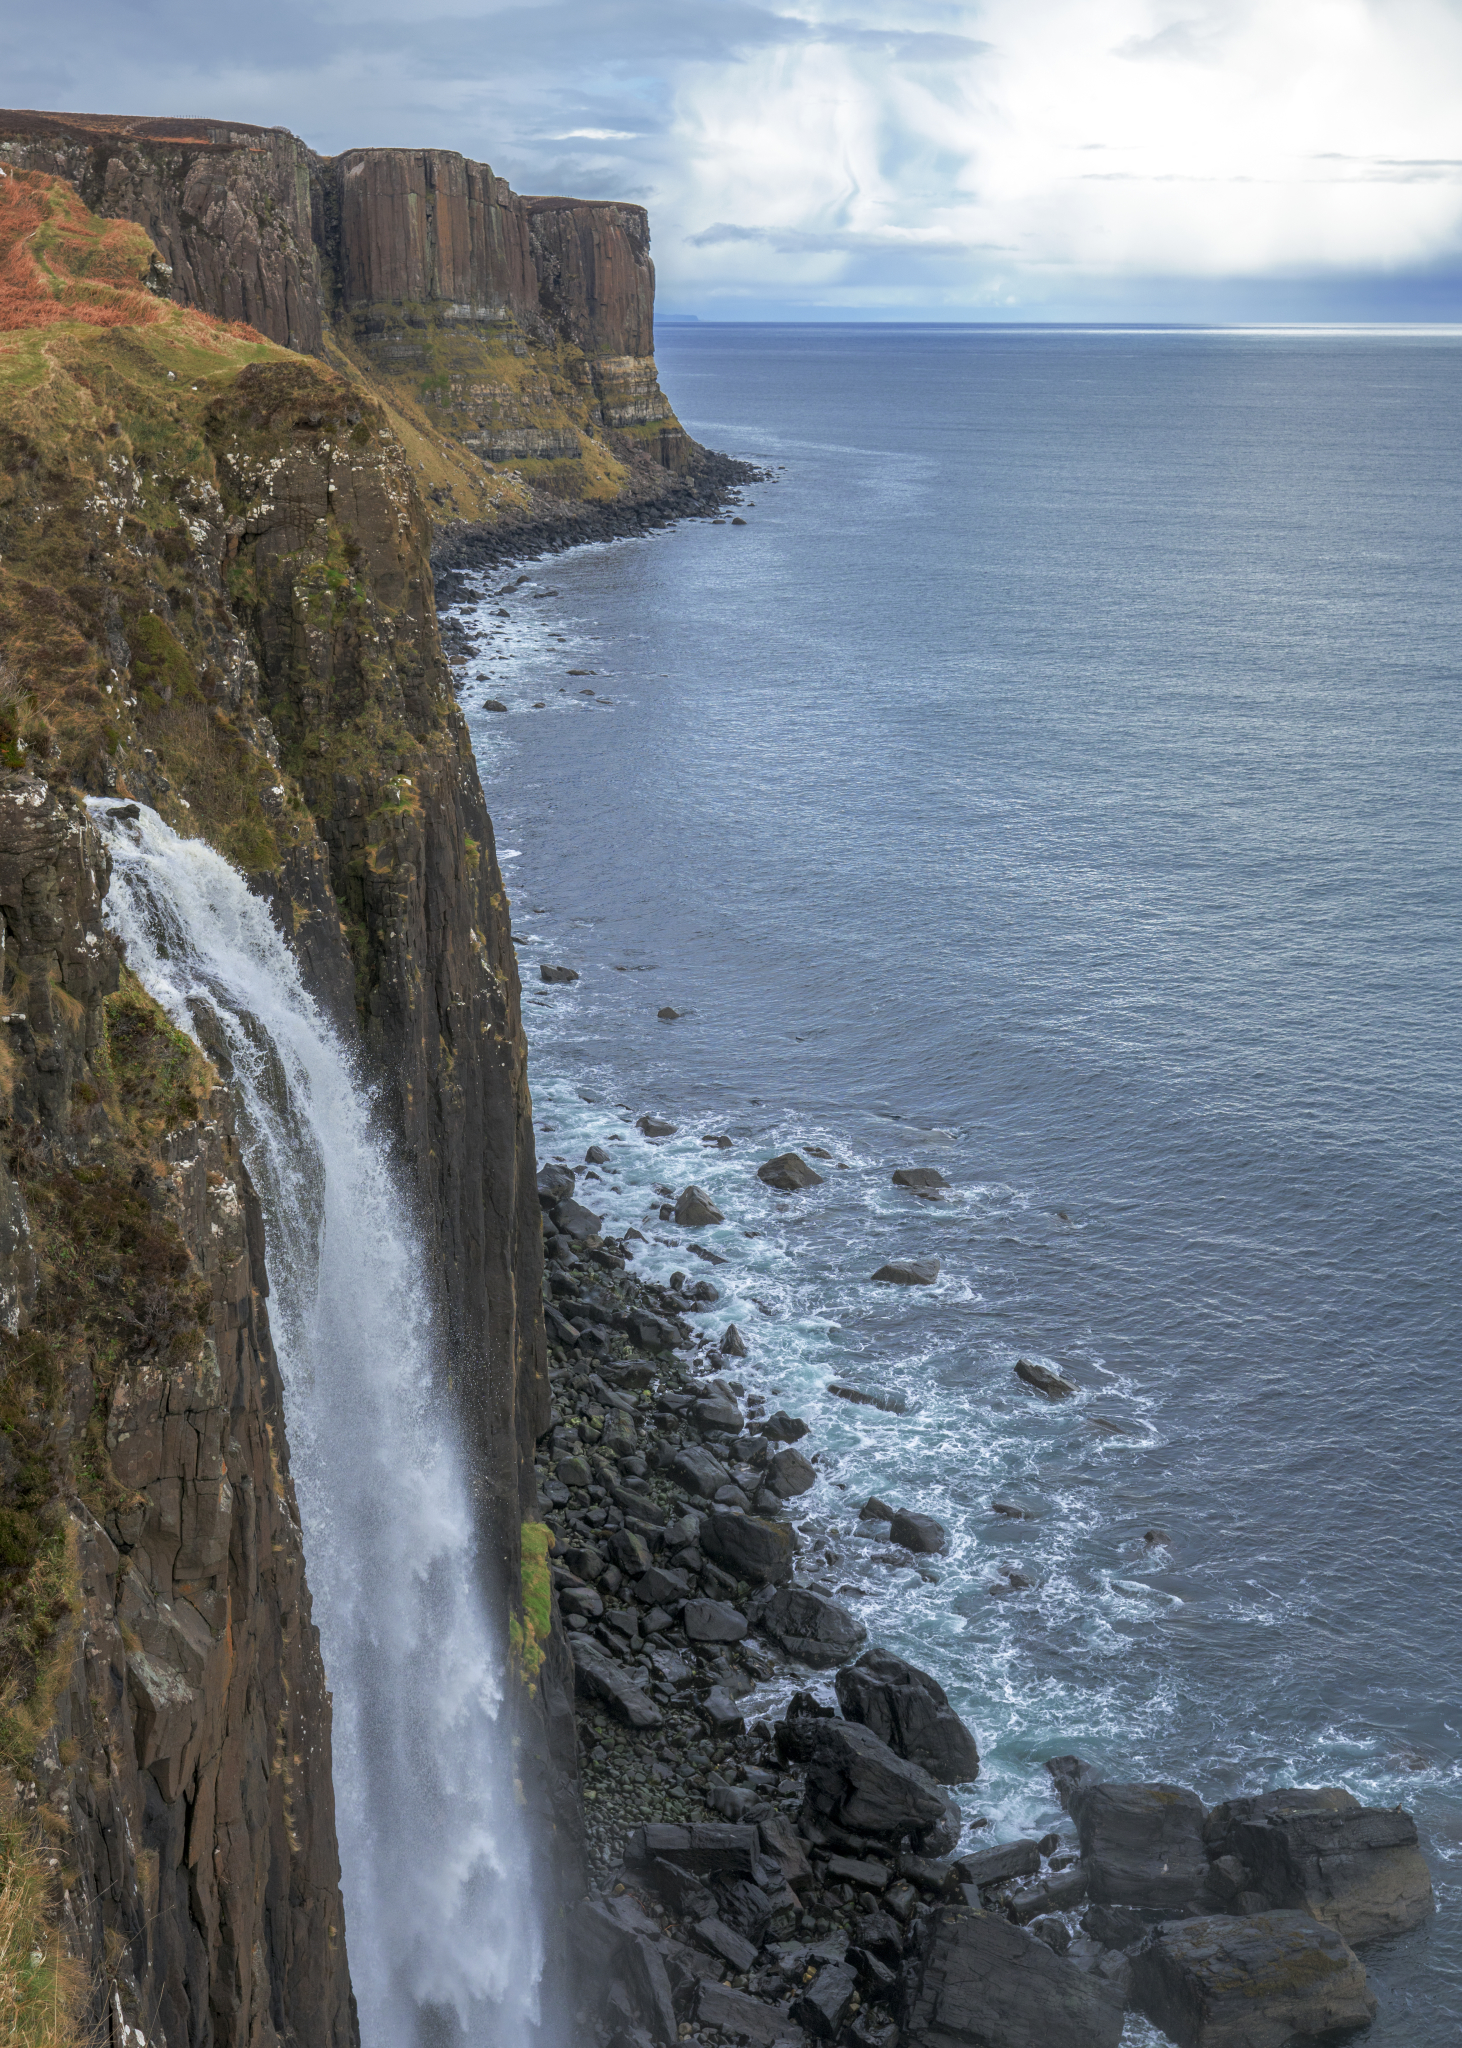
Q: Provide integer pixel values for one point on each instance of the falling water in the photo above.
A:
(443, 1938)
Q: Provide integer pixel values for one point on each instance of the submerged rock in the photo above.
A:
(920, 1533)
(789, 1173)
(919, 1177)
(556, 974)
(1043, 1380)
(733, 1344)
(909, 1272)
(654, 1126)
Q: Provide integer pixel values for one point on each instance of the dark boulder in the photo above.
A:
(597, 1676)
(783, 1428)
(712, 1621)
(983, 1983)
(919, 1177)
(718, 1412)
(909, 1710)
(748, 1547)
(789, 1474)
(1000, 1862)
(706, 1849)
(654, 1126)
(556, 974)
(808, 1625)
(1142, 1845)
(1070, 1778)
(694, 1208)
(918, 1532)
(875, 1510)
(1043, 1381)
(1273, 1980)
(827, 2004)
(555, 1184)
(909, 1272)
(1357, 1868)
(733, 1344)
(789, 1173)
(743, 2017)
(857, 1782)
(574, 1220)
(606, 1952)
(698, 1472)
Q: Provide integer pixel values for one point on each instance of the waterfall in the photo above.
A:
(444, 1942)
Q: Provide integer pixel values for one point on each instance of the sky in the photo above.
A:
(1239, 160)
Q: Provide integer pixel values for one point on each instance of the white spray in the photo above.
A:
(443, 1937)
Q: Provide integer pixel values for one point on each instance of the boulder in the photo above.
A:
(573, 1472)
(1266, 1981)
(574, 1220)
(1142, 1845)
(720, 1709)
(720, 1849)
(909, 1272)
(1071, 1776)
(748, 1547)
(983, 1983)
(555, 1184)
(661, 1586)
(789, 1474)
(733, 1344)
(827, 2004)
(556, 974)
(783, 1428)
(1000, 1862)
(857, 1782)
(808, 1625)
(919, 1177)
(630, 1552)
(606, 1949)
(743, 2017)
(1318, 1850)
(918, 1532)
(875, 1510)
(888, 1399)
(694, 1208)
(597, 1676)
(654, 1127)
(908, 1710)
(698, 1472)
(1043, 1380)
(789, 1173)
(718, 1413)
(712, 1621)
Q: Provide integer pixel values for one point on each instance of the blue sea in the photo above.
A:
(1055, 781)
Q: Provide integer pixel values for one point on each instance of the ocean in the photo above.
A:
(1055, 782)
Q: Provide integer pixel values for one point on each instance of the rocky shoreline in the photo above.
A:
(803, 1873)
(708, 487)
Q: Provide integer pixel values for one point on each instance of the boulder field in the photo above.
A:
(814, 1873)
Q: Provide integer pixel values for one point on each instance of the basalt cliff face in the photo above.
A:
(216, 597)
(512, 338)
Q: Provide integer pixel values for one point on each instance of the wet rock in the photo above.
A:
(1043, 1380)
(606, 1950)
(919, 1533)
(712, 1621)
(909, 1272)
(667, 1015)
(1142, 1845)
(654, 1127)
(1053, 1932)
(748, 1547)
(574, 1220)
(598, 1676)
(789, 1474)
(662, 1586)
(1116, 1927)
(783, 1428)
(982, 1983)
(694, 1209)
(827, 2004)
(724, 1941)
(720, 1412)
(1071, 1778)
(707, 1849)
(909, 1710)
(596, 1156)
(1272, 1981)
(581, 1600)
(890, 1401)
(1011, 1511)
(875, 1510)
(919, 1177)
(1357, 1868)
(999, 1863)
(556, 974)
(808, 1626)
(722, 1711)
(733, 1344)
(789, 1173)
(573, 1472)
(555, 1184)
(493, 704)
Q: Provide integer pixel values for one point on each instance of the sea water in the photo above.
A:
(1055, 782)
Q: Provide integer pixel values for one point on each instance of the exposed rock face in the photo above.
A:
(1271, 1981)
(986, 1984)
(1142, 1845)
(1358, 1868)
(188, 1745)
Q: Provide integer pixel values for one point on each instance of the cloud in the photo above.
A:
(939, 156)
